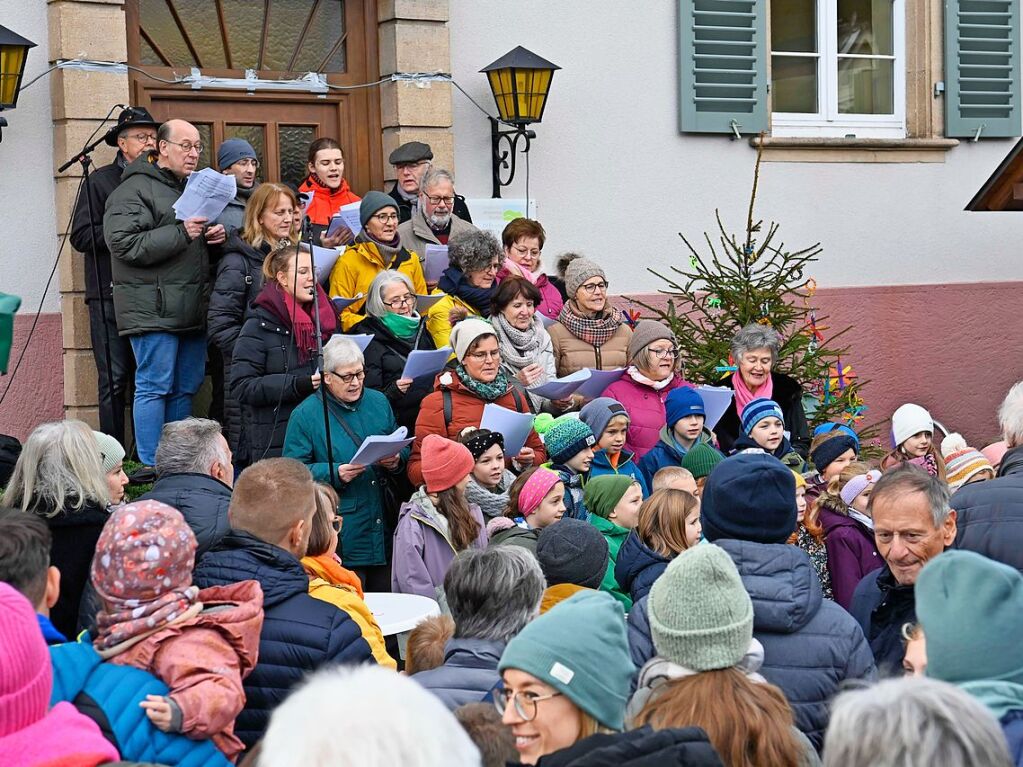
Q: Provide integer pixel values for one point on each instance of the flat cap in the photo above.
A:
(412, 151)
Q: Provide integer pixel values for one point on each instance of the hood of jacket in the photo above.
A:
(637, 748)
(236, 612)
(608, 528)
(241, 556)
(1012, 462)
(421, 508)
(780, 580)
(634, 559)
(667, 441)
(145, 165)
(473, 653)
(600, 461)
(373, 262)
(831, 520)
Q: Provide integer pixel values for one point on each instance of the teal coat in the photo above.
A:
(364, 540)
(615, 536)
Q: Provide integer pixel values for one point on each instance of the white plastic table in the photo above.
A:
(398, 613)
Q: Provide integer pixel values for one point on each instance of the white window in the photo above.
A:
(838, 68)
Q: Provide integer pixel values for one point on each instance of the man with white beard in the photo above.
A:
(434, 221)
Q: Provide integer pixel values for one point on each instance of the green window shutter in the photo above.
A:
(723, 58)
(982, 68)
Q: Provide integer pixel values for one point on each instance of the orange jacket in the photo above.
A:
(326, 202)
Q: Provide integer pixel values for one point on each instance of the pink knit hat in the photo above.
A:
(995, 452)
(445, 463)
(26, 676)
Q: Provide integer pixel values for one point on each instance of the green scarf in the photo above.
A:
(999, 697)
(488, 392)
(403, 327)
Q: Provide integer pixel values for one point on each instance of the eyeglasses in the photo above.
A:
(384, 218)
(349, 377)
(142, 138)
(493, 267)
(524, 702)
(336, 523)
(394, 303)
(534, 252)
(593, 287)
(440, 200)
(480, 356)
(187, 146)
(663, 354)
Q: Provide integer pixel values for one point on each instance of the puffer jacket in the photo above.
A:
(416, 234)
(789, 395)
(638, 566)
(385, 359)
(882, 606)
(641, 641)
(989, 515)
(572, 354)
(161, 278)
(326, 202)
(300, 634)
(643, 747)
(667, 452)
(468, 674)
(811, 645)
(628, 465)
(851, 553)
(438, 318)
(645, 406)
(202, 501)
(466, 410)
(355, 270)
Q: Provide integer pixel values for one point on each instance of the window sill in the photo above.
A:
(866, 150)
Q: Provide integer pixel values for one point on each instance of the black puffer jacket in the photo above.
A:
(989, 515)
(102, 183)
(202, 501)
(789, 395)
(300, 634)
(882, 606)
(385, 360)
(645, 747)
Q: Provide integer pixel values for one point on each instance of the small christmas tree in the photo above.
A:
(744, 280)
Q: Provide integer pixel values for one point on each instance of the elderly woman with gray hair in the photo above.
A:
(397, 330)
(755, 352)
(492, 594)
(468, 282)
(355, 413)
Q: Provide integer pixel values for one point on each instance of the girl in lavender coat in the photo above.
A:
(848, 529)
(437, 521)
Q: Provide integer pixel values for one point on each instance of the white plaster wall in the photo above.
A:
(27, 225)
(615, 179)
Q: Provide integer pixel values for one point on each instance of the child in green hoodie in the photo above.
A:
(613, 501)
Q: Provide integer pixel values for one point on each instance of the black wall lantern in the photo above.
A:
(13, 53)
(520, 81)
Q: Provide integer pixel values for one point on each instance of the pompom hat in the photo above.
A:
(962, 462)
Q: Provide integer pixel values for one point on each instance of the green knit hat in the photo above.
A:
(595, 673)
(564, 436)
(701, 459)
(700, 614)
(971, 609)
(602, 494)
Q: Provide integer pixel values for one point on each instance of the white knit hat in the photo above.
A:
(908, 420)
(464, 333)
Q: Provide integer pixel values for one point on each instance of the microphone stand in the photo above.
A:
(307, 238)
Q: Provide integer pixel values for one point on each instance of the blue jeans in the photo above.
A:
(169, 370)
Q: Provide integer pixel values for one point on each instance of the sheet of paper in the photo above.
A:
(598, 381)
(716, 400)
(206, 195)
(348, 215)
(426, 362)
(561, 388)
(341, 303)
(377, 447)
(425, 303)
(361, 340)
(435, 261)
(493, 214)
(513, 425)
(323, 261)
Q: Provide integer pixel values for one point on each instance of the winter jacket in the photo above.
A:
(784, 452)
(423, 550)
(326, 202)
(641, 641)
(204, 659)
(110, 694)
(202, 501)
(573, 482)
(643, 747)
(438, 318)
(459, 208)
(811, 645)
(416, 233)
(558, 593)
(86, 231)
(385, 359)
(788, 393)
(62, 736)
(468, 674)
(615, 536)
(667, 452)
(645, 406)
(514, 535)
(269, 380)
(551, 301)
(1012, 726)
(851, 553)
(628, 464)
(345, 598)
(989, 515)
(882, 606)
(466, 410)
(455, 283)
(233, 216)
(161, 278)
(355, 270)
(363, 538)
(572, 354)
(300, 634)
(638, 566)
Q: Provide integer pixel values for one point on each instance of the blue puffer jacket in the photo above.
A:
(300, 634)
(469, 672)
(110, 694)
(811, 645)
(989, 515)
(667, 452)
(638, 566)
(641, 641)
(627, 465)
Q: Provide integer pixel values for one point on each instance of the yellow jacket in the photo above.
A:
(437, 321)
(350, 602)
(355, 270)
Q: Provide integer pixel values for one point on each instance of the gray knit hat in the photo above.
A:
(373, 203)
(700, 614)
(110, 449)
(644, 334)
(572, 551)
(598, 413)
(578, 272)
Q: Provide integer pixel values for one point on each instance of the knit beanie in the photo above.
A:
(700, 614)
(26, 675)
(233, 150)
(701, 459)
(830, 426)
(961, 461)
(563, 436)
(757, 410)
(644, 334)
(908, 420)
(373, 203)
(572, 551)
(595, 674)
(749, 497)
(602, 494)
(800, 480)
(597, 414)
(683, 401)
(445, 463)
(465, 332)
(995, 452)
(827, 451)
(971, 609)
(110, 449)
(580, 270)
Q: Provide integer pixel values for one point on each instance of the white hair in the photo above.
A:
(388, 720)
(913, 720)
(190, 446)
(1010, 416)
(340, 352)
(375, 305)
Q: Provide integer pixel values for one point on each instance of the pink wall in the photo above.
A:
(37, 394)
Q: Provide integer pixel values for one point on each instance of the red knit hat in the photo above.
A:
(26, 675)
(445, 463)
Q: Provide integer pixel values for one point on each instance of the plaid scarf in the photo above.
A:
(595, 331)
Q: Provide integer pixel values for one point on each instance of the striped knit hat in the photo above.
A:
(757, 410)
(961, 461)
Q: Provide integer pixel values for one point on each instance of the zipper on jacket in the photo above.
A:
(433, 527)
(596, 357)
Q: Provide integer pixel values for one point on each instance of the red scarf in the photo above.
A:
(298, 316)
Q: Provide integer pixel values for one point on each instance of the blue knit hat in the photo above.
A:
(757, 410)
(749, 497)
(827, 451)
(683, 401)
(233, 150)
(563, 436)
(595, 674)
